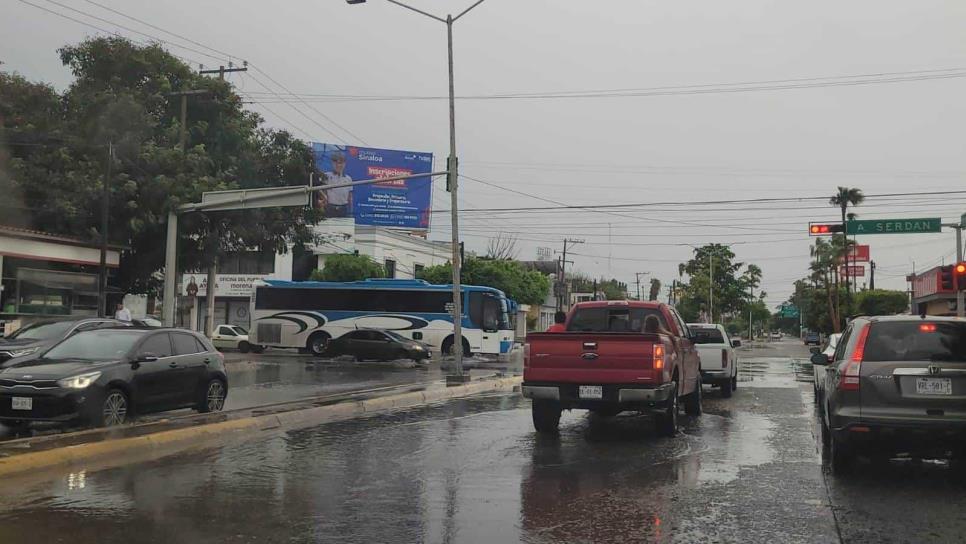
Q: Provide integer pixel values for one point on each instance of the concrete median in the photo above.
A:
(111, 452)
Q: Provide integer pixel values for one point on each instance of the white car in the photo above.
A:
(818, 370)
(776, 335)
(233, 337)
(719, 363)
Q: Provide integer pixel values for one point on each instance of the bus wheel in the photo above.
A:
(318, 343)
(448, 346)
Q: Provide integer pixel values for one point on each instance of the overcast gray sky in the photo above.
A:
(677, 146)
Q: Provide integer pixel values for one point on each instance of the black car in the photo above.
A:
(378, 344)
(34, 339)
(104, 377)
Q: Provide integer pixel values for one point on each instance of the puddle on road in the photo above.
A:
(745, 444)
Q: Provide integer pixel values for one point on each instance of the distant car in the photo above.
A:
(719, 364)
(894, 384)
(813, 339)
(818, 381)
(34, 339)
(233, 337)
(104, 377)
(776, 335)
(378, 344)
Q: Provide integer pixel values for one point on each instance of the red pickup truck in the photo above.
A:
(614, 356)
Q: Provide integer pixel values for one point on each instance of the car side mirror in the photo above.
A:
(146, 358)
(820, 359)
(736, 343)
(813, 350)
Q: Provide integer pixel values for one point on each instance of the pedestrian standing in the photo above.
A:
(559, 320)
(122, 313)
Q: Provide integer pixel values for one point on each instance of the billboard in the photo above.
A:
(857, 271)
(857, 254)
(400, 203)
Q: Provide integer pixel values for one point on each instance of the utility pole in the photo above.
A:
(710, 287)
(750, 309)
(221, 71)
(563, 270)
(105, 210)
(638, 275)
(183, 139)
(872, 275)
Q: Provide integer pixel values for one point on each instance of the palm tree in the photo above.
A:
(843, 198)
(824, 263)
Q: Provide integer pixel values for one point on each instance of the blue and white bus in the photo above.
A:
(307, 314)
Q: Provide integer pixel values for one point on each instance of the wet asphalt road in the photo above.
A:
(748, 470)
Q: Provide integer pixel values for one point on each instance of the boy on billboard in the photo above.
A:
(338, 201)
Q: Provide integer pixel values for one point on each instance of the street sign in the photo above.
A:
(894, 226)
(857, 271)
(790, 311)
(246, 199)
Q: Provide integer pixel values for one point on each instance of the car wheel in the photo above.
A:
(826, 434)
(667, 423)
(727, 388)
(258, 349)
(546, 416)
(214, 398)
(734, 382)
(448, 347)
(692, 402)
(403, 354)
(244, 347)
(318, 343)
(114, 409)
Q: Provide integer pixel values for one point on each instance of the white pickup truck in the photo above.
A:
(719, 363)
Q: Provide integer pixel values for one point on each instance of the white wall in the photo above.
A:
(381, 244)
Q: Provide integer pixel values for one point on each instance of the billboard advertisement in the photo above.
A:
(400, 203)
(857, 271)
(857, 254)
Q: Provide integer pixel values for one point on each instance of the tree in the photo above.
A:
(501, 248)
(882, 302)
(612, 288)
(516, 281)
(655, 289)
(122, 97)
(348, 267)
(732, 288)
(843, 198)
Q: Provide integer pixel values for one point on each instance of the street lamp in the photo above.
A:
(452, 183)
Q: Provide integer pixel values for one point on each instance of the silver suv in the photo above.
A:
(894, 383)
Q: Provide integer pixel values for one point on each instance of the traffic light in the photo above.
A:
(823, 229)
(959, 270)
(946, 279)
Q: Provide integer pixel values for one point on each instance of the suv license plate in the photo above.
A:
(934, 386)
(590, 392)
(22, 403)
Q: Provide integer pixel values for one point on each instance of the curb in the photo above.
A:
(120, 451)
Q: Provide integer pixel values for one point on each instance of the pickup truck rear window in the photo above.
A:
(706, 336)
(916, 341)
(613, 319)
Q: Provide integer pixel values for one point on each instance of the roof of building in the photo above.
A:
(30, 234)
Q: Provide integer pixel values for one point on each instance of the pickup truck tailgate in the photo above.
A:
(711, 355)
(592, 357)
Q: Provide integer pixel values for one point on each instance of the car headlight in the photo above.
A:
(22, 352)
(81, 381)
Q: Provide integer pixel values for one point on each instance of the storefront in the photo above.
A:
(44, 275)
(232, 299)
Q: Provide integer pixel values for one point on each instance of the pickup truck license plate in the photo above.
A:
(22, 403)
(590, 392)
(934, 386)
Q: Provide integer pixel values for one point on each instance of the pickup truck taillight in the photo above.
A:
(724, 358)
(850, 377)
(658, 356)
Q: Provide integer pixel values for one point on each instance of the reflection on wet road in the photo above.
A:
(748, 470)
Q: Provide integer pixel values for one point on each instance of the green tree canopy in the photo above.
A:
(713, 266)
(612, 288)
(516, 281)
(881, 302)
(54, 172)
(348, 267)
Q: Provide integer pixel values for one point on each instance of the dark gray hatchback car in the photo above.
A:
(103, 377)
(895, 384)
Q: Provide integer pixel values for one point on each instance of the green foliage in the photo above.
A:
(54, 174)
(882, 302)
(517, 282)
(713, 265)
(655, 289)
(348, 267)
(612, 289)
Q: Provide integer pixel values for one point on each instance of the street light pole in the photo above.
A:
(452, 184)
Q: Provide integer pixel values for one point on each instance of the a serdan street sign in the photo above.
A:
(894, 226)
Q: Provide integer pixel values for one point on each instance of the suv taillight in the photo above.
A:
(724, 358)
(851, 375)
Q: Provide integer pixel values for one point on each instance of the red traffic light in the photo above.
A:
(820, 229)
